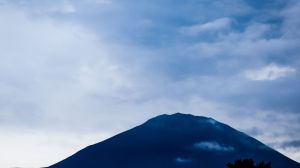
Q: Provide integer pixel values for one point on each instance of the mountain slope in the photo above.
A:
(175, 141)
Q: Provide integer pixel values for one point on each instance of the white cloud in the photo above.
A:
(269, 72)
(250, 44)
(51, 62)
(183, 160)
(53, 74)
(213, 146)
(28, 148)
(215, 25)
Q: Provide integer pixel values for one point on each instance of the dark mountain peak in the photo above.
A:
(176, 141)
(181, 118)
(178, 115)
(183, 121)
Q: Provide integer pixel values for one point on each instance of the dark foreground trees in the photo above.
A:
(248, 163)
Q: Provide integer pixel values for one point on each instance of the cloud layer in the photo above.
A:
(84, 67)
(270, 72)
(213, 146)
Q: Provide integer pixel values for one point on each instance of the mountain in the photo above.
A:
(175, 141)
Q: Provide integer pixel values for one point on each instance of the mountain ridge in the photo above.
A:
(177, 140)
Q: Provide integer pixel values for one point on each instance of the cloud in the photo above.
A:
(213, 146)
(289, 148)
(183, 160)
(45, 149)
(291, 21)
(64, 7)
(291, 144)
(270, 72)
(97, 65)
(215, 25)
(54, 64)
(212, 121)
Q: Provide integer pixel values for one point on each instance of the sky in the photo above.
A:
(73, 73)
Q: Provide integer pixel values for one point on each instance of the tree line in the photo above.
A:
(248, 163)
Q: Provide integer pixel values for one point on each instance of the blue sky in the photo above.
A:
(76, 72)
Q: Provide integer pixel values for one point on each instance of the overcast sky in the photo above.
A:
(74, 72)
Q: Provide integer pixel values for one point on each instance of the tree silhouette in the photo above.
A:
(248, 163)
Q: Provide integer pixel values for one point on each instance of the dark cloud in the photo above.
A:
(291, 144)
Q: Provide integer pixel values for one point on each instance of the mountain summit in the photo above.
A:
(175, 141)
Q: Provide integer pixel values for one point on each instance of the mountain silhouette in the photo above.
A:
(176, 141)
